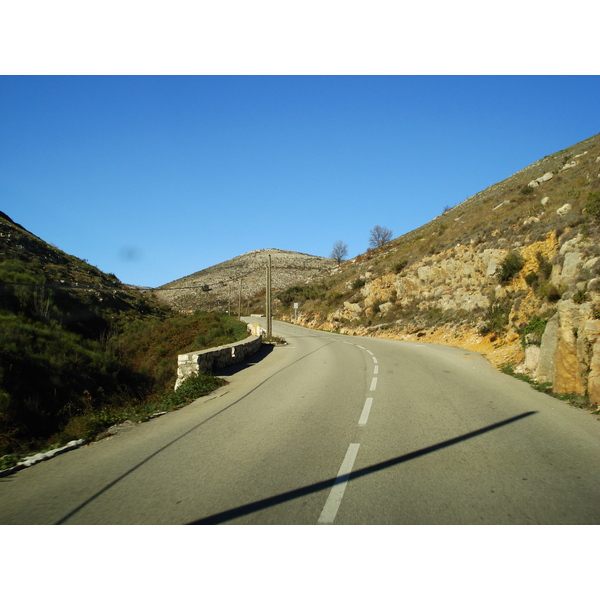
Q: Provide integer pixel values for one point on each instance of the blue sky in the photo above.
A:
(155, 177)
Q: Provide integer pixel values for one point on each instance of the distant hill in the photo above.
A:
(220, 286)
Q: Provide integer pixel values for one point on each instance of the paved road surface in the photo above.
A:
(334, 430)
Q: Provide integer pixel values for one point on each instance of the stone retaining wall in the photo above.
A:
(214, 359)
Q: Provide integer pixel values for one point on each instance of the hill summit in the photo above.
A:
(221, 286)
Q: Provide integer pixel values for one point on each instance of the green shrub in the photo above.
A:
(53, 380)
(544, 266)
(334, 298)
(151, 345)
(496, 316)
(531, 279)
(301, 293)
(549, 291)
(531, 333)
(358, 283)
(510, 266)
(593, 206)
(192, 388)
(399, 266)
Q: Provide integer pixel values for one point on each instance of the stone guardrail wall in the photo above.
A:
(213, 359)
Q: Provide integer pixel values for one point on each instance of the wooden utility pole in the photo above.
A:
(269, 325)
(240, 300)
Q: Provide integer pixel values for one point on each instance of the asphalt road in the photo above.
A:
(333, 429)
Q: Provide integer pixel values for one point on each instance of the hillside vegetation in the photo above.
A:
(80, 351)
(512, 272)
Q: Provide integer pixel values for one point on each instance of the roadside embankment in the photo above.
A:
(214, 359)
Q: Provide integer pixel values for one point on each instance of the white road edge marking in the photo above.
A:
(373, 384)
(361, 347)
(370, 352)
(375, 369)
(364, 417)
(374, 360)
(339, 487)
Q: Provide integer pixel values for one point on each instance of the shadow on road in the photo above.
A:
(264, 351)
(261, 354)
(246, 509)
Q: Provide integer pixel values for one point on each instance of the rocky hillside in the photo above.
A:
(512, 272)
(220, 286)
(39, 278)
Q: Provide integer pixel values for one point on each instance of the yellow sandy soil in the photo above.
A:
(498, 351)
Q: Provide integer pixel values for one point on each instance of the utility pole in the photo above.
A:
(269, 325)
(240, 301)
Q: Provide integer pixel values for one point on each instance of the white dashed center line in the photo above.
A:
(364, 417)
(336, 494)
(339, 487)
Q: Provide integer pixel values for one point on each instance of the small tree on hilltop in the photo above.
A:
(379, 236)
(339, 252)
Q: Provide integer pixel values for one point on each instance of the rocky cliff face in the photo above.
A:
(525, 292)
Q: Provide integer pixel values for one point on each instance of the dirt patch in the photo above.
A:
(498, 351)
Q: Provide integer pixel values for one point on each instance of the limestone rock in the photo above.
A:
(568, 362)
(353, 308)
(593, 285)
(386, 307)
(545, 369)
(532, 359)
(571, 244)
(591, 263)
(570, 268)
(569, 165)
(594, 376)
(542, 179)
(563, 210)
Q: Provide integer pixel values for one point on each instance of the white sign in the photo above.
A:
(295, 305)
